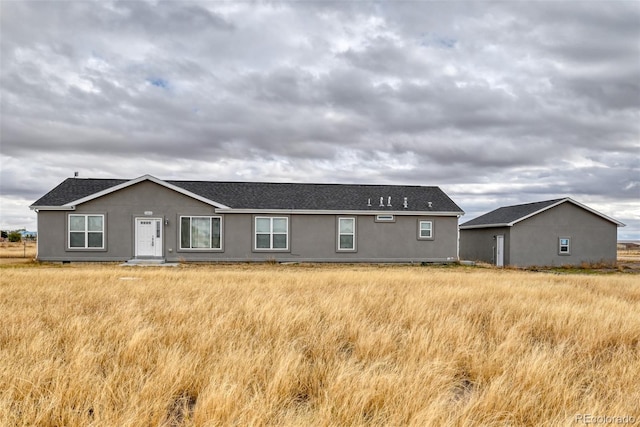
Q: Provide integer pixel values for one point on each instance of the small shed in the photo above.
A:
(548, 233)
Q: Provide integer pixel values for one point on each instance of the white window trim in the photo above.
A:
(354, 234)
(210, 217)
(271, 233)
(86, 231)
(420, 236)
(560, 246)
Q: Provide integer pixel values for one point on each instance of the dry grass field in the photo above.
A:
(629, 255)
(14, 251)
(102, 345)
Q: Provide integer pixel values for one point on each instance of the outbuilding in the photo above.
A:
(548, 233)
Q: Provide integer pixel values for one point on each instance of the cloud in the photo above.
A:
(497, 102)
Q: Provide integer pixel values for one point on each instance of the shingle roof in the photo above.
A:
(264, 195)
(74, 189)
(509, 215)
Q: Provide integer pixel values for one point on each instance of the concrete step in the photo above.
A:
(146, 261)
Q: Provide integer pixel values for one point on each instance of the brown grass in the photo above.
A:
(17, 250)
(315, 345)
(629, 255)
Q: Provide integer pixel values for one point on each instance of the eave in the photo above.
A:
(469, 227)
(52, 208)
(334, 212)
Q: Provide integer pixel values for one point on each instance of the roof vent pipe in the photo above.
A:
(389, 201)
(382, 202)
(76, 174)
(406, 203)
(430, 205)
(368, 202)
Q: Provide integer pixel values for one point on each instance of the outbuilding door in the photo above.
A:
(148, 237)
(500, 250)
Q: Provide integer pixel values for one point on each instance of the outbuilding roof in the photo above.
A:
(508, 216)
(234, 196)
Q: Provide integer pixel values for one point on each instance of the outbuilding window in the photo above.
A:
(86, 231)
(564, 246)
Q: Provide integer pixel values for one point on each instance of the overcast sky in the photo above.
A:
(497, 103)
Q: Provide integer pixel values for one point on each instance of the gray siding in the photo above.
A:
(312, 237)
(480, 244)
(535, 240)
(120, 210)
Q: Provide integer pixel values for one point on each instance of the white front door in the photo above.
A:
(148, 237)
(500, 251)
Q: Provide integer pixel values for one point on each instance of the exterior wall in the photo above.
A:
(120, 210)
(314, 238)
(311, 237)
(51, 235)
(479, 244)
(534, 241)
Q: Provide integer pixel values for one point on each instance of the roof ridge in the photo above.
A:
(78, 178)
(263, 182)
(303, 183)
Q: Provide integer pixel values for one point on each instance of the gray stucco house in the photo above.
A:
(148, 218)
(548, 233)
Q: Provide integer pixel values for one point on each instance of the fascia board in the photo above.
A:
(559, 202)
(52, 208)
(138, 180)
(595, 212)
(570, 200)
(192, 195)
(469, 227)
(334, 212)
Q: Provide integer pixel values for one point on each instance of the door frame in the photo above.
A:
(159, 240)
(500, 250)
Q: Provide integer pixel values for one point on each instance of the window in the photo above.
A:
(272, 233)
(86, 231)
(425, 229)
(346, 234)
(200, 232)
(564, 246)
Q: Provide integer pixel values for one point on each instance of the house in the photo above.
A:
(148, 218)
(548, 233)
(28, 235)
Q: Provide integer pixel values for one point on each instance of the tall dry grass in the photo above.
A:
(18, 249)
(632, 255)
(326, 346)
